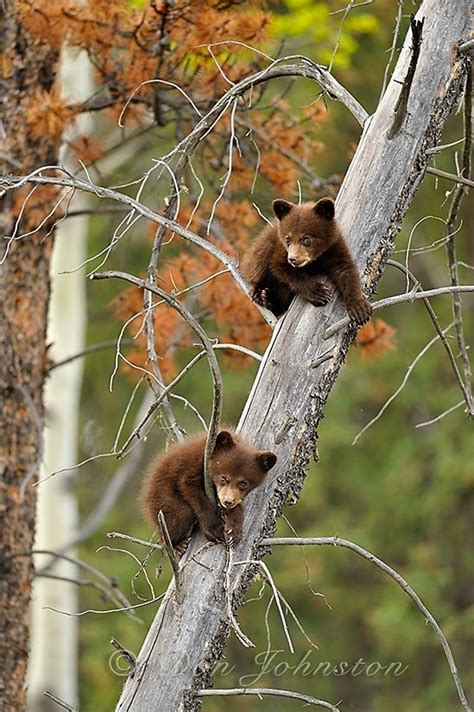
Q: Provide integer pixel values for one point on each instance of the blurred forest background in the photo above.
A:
(405, 493)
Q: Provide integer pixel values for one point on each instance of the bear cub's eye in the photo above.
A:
(243, 485)
(287, 241)
(224, 480)
(306, 241)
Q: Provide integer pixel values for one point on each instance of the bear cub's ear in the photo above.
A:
(324, 208)
(281, 208)
(224, 440)
(266, 460)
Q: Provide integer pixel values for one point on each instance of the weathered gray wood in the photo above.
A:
(185, 640)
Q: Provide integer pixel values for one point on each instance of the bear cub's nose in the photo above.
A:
(228, 503)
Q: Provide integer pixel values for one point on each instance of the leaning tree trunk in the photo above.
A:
(285, 405)
(28, 67)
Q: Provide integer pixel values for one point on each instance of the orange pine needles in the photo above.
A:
(87, 149)
(374, 338)
(141, 52)
(48, 114)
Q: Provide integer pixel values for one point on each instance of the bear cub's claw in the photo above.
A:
(360, 312)
(262, 297)
(213, 528)
(181, 548)
(233, 535)
(321, 296)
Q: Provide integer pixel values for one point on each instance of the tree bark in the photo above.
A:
(285, 405)
(24, 293)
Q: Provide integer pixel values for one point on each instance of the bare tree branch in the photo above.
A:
(402, 385)
(440, 333)
(13, 182)
(398, 299)
(61, 703)
(213, 364)
(168, 547)
(94, 348)
(451, 246)
(450, 176)
(262, 691)
(114, 592)
(404, 585)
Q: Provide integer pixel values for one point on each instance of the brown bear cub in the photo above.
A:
(175, 484)
(290, 257)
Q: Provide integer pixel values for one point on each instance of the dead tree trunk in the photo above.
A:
(285, 405)
(29, 66)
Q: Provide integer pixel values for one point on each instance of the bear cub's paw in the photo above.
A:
(320, 295)
(360, 312)
(213, 527)
(181, 548)
(234, 525)
(262, 297)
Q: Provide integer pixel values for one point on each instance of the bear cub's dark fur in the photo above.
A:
(290, 257)
(175, 484)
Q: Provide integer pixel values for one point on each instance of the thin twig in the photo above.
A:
(102, 346)
(261, 691)
(168, 547)
(440, 416)
(141, 568)
(245, 640)
(450, 176)
(440, 333)
(125, 609)
(134, 540)
(451, 245)
(82, 582)
(114, 487)
(112, 583)
(125, 654)
(466, 46)
(270, 580)
(61, 703)
(402, 385)
(213, 364)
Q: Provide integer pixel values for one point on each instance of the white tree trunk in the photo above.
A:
(285, 405)
(54, 638)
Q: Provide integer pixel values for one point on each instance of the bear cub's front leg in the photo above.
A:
(261, 296)
(317, 293)
(211, 523)
(234, 522)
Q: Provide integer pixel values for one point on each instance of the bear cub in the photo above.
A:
(175, 484)
(290, 257)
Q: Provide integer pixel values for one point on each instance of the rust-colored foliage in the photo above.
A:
(48, 114)
(138, 50)
(235, 318)
(374, 338)
(87, 149)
